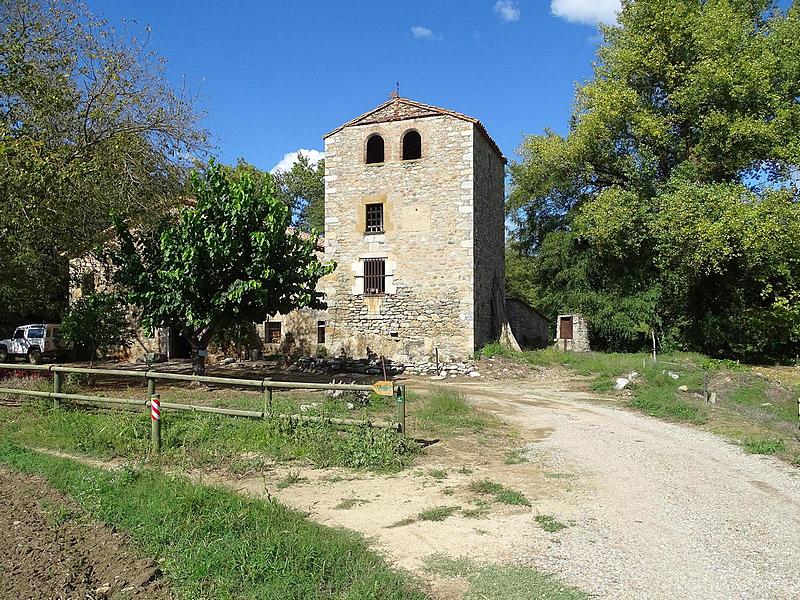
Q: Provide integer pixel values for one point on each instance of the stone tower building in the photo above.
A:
(414, 218)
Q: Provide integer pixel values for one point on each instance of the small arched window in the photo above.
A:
(374, 149)
(412, 145)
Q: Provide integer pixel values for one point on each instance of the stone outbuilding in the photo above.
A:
(572, 333)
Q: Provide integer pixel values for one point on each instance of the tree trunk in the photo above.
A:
(198, 361)
(198, 340)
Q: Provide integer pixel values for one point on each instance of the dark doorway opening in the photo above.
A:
(178, 346)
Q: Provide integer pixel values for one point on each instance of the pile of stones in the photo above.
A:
(375, 366)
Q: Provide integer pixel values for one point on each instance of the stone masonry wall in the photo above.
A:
(529, 327)
(489, 242)
(427, 243)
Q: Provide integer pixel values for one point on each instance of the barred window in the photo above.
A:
(320, 332)
(273, 332)
(374, 218)
(374, 276)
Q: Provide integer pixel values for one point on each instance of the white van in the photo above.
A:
(34, 342)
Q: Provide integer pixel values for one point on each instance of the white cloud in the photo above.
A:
(586, 11)
(508, 10)
(314, 156)
(422, 33)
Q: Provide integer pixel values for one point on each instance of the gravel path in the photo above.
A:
(656, 510)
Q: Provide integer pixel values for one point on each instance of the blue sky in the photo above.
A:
(274, 77)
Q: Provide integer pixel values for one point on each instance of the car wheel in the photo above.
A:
(3, 354)
(34, 356)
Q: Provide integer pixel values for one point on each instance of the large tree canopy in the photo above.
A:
(672, 203)
(228, 259)
(302, 188)
(89, 124)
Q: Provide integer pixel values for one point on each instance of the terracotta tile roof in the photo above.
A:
(400, 109)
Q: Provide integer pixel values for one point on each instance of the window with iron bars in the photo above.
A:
(374, 276)
(273, 332)
(374, 218)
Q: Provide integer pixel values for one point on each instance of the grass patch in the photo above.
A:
(447, 410)
(497, 582)
(216, 544)
(499, 492)
(402, 522)
(515, 457)
(349, 503)
(764, 445)
(291, 478)
(549, 523)
(665, 404)
(657, 395)
(56, 515)
(438, 513)
(481, 510)
(195, 440)
(438, 474)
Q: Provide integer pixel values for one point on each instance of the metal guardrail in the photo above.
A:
(266, 385)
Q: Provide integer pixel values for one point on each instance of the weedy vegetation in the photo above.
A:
(549, 523)
(498, 582)
(499, 492)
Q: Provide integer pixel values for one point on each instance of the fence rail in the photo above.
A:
(266, 385)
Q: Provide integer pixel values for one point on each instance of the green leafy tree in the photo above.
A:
(89, 124)
(228, 259)
(97, 322)
(302, 188)
(671, 206)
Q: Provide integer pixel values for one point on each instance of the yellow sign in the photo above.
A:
(383, 388)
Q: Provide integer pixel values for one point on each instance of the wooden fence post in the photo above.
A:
(56, 388)
(155, 418)
(151, 387)
(401, 409)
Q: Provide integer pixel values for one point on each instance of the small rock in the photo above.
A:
(622, 383)
(350, 406)
(683, 388)
(438, 377)
(103, 590)
(474, 374)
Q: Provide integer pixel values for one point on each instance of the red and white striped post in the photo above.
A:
(155, 419)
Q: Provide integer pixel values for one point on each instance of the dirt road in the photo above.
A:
(659, 510)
